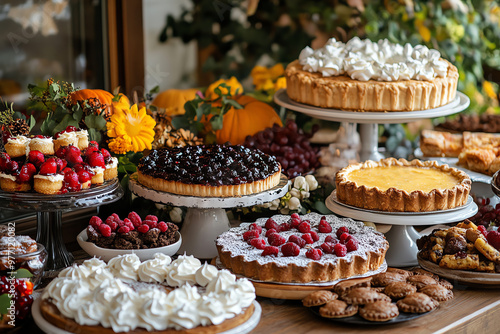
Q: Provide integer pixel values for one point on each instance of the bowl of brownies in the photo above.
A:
(116, 236)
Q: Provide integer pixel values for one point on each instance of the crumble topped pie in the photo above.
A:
(155, 296)
(209, 171)
(402, 186)
(302, 248)
(371, 76)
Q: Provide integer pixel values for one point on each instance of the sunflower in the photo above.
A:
(132, 126)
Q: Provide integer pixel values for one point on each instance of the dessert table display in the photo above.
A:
(49, 209)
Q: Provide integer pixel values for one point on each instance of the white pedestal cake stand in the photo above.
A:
(402, 235)
(369, 120)
(206, 218)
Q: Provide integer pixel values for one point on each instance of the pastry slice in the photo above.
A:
(417, 303)
(437, 292)
(399, 290)
(379, 311)
(338, 309)
(319, 298)
(420, 281)
(362, 296)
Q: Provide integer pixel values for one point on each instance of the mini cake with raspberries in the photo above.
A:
(132, 232)
(49, 179)
(302, 249)
(66, 137)
(16, 146)
(13, 176)
(44, 144)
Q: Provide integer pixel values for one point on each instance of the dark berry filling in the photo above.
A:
(213, 165)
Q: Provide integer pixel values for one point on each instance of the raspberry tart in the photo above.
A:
(302, 249)
(209, 171)
(362, 75)
(155, 296)
(402, 186)
(49, 179)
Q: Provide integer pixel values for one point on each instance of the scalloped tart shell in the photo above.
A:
(342, 92)
(423, 197)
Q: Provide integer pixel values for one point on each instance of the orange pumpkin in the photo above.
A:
(239, 123)
(173, 100)
(104, 97)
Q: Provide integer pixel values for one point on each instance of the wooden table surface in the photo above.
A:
(473, 310)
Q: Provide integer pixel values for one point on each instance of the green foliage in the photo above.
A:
(466, 32)
(201, 109)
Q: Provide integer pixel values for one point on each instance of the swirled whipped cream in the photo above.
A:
(67, 136)
(18, 140)
(112, 163)
(365, 60)
(109, 295)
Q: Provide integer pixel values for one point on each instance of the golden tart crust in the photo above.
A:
(342, 92)
(397, 200)
(199, 190)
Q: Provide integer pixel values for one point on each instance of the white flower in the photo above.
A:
(294, 203)
(295, 192)
(312, 182)
(300, 183)
(304, 194)
(176, 215)
(275, 204)
(266, 205)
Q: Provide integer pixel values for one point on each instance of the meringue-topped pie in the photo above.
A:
(399, 185)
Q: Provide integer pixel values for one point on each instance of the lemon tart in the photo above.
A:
(402, 186)
(362, 75)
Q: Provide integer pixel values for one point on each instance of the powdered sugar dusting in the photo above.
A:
(369, 241)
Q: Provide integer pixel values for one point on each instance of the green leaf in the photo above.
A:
(124, 182)
(100, 122)
(180, 123)
(216, 122)
(155, 90)
(31, 122)
(35, 90)
(94, 135)
(91, 122)
(63, 124)
(23, 273)
(321, 208)
(235, 104)
(78, 113)
(4, 303)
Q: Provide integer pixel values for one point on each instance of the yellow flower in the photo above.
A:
(280, 83)
(266, 78)
(119, 145)
(135, 126)
(423, 30)
(259, 75)
(276, 71)
(489, 89)
(232, 83)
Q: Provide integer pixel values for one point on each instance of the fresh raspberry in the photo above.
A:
(73, 155)
(36, 158)
(120, 223)
(123, 230)
(129, 225)
(255, 227)
(162, 226)
(304, 227)
(340, 250)
(483, 230)
(4, 158)
(308, 238)
(151, 217)
(67, 170)
(295, 222)
(270, 223)
(344, 238)
(109, 220)
(324, 227)
(323, 218)
(270, 231)
(314, 235)
(84, 176)
(95, 222)
(144, 228)
(96, 159)
(314, 254)
(27, 172)
(252, 234)
(61, 164)
(276, 240)
(290, 249)
(105, 153)
(113, 225)
(135, 218)
(341, 230)
(258, 243)
(49, 167)
(284, 227)
(93, 143)
(493, 238)
(270, 251)
(150, 223)
(105, 230)
(12, 166)
(352, 245)
(327, 247)
(331, 239)
(115, 216)
(61, 152)
(71, 179)
(295, 216)
(297, 240)
(89, 150)
(70, 128)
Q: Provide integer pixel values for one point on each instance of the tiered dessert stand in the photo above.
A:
(402, 236)
(206, 218)
(49, 209)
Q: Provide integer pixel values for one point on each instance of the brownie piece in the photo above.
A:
(150, 237)
(106, 242)
(130, 240)
(92, 234)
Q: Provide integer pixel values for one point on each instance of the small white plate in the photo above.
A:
(144, 254)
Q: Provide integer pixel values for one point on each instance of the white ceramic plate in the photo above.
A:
(47, 327)
(144, 254)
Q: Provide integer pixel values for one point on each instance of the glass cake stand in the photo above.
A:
(206, 218)
(369, 120)
(402, 236)
(49, 209)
